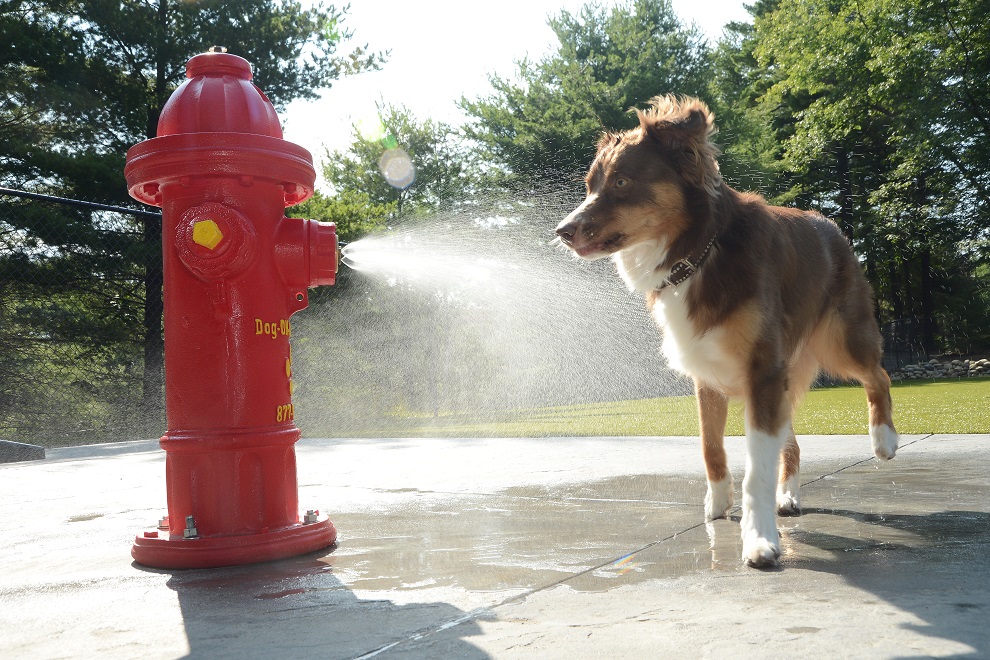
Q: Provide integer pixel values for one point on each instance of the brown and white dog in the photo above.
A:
(753, 300)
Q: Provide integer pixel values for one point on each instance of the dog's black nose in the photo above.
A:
(567, 231)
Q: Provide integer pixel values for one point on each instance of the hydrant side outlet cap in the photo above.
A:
(218, 97)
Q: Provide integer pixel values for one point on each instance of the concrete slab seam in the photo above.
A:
(865, 460)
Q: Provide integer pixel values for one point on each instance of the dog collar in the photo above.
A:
(685, 268)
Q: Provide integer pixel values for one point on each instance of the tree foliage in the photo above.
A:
(874, 111)
(608, 60)
(82, 81)
(353, 211)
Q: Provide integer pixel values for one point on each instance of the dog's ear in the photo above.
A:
(608, 139)
(683, 127)
(676, 123)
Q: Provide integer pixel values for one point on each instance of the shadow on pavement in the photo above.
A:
(932, 565)
(297, 608)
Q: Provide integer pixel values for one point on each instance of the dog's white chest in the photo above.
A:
(701, 356)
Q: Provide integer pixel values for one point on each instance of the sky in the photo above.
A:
(441, 51)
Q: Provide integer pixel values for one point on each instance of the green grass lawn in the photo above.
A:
(937, 406)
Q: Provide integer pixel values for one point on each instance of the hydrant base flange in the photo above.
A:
(232, 550)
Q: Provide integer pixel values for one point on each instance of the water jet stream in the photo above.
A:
(474, 310)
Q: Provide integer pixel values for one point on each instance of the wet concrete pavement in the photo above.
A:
(548, 548)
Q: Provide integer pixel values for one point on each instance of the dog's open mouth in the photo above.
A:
(584, 239)
(608, 246)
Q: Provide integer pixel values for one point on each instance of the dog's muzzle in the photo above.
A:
(566, 231)
(569, 227)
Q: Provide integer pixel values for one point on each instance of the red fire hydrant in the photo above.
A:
(235, 270)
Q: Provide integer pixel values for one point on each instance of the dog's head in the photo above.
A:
(641, 179)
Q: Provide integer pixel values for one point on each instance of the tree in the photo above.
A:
(546, 121)
(875, 113)
(442, 167)
(68, 322)
(750, 135)
(405, 372)
(84, 80)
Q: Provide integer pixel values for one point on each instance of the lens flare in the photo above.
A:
(370, 128)
(397, 168)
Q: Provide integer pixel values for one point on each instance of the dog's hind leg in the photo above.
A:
(713, 408)
(789, 483)
(802, 374)
(865, 350)
(882, 433)
(853, 349)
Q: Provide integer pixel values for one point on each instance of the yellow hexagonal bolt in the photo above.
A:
(207, 234)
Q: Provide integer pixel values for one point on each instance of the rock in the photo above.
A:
(943, 369)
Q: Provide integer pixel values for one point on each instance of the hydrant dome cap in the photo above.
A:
(218, 63)
(218, 97)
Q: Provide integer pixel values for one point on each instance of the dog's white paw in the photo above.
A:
(884, 441)
(761, 552)
(789, 497)
(760, 538)
(718, 499)
(788, 504)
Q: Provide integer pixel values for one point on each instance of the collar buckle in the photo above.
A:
(685, 268)
(680, 271)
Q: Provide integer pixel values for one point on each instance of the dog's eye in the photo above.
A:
(621, 183)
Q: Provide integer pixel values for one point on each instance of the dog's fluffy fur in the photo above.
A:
(779, 296)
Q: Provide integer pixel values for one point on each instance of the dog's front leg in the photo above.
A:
(768, 427)
(713, 409)
(761, 544)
